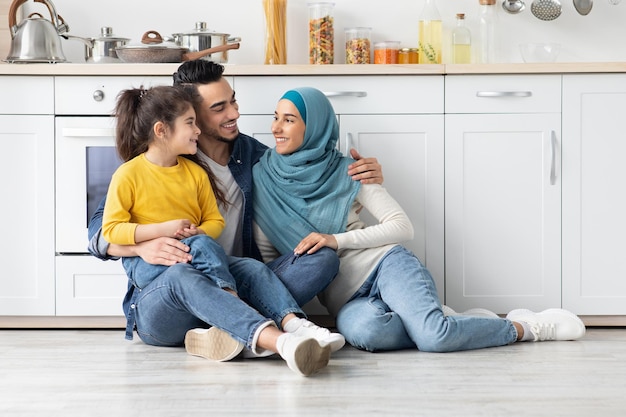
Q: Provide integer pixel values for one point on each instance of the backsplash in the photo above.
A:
(599, 36)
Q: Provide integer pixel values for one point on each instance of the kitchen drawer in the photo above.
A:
(26, 95)
(76, 95)
(349, 94)
(503, 94)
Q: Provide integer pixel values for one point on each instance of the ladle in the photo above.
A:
(513, 6)
(583, 7)
(546, 9)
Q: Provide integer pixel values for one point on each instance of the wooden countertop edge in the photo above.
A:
(305, 70)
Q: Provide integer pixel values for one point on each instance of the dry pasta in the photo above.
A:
(276, 22)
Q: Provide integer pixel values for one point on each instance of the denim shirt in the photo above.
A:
(246, 152)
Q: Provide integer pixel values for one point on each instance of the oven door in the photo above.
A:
(85, 160)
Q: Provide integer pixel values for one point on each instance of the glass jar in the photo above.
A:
(275, 31)
(358, 45)
(386, 52)
(408, 56)
(321, 33)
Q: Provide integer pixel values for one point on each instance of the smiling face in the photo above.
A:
(219, 111)
(183, 138)
(288, 128)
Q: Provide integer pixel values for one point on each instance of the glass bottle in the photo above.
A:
(321, 33)
(430, 34)
(461, 41)
(488, 21)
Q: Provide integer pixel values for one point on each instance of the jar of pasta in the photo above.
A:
(321, 33)
(358, 45)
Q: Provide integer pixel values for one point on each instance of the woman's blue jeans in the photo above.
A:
(398, 308)
(183, 298)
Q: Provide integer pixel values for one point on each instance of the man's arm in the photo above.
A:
(366, 170)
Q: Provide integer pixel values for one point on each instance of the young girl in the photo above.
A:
(161, 189)
(383, 297)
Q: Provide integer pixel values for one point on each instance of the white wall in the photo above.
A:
(598, 37)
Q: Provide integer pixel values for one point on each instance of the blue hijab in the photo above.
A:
(308, 190)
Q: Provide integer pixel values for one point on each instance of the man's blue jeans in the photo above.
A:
(398, 308)
(182, 298)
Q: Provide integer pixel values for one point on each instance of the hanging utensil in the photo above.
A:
(513, 6)
(546, 9)
(583, 7)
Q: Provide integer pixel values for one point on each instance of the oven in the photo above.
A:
(85, 158)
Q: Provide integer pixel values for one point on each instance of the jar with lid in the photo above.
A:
(358, 45)
(386, 52)
(488, 23)
(408, 56)
(321, 33)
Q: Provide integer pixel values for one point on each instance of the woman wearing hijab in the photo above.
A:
(383, 298)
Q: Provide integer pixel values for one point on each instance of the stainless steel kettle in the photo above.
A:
(36, 39)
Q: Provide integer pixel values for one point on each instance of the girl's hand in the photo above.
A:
(314, 242)
(192, 230)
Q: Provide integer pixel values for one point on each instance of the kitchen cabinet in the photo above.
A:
(594, 223)
(382, 120)
(27, 187)
(503, 192)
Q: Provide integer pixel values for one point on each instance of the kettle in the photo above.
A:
(36, 39)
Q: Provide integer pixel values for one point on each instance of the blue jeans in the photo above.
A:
(398, 308)
(207, 256)
(182, 298)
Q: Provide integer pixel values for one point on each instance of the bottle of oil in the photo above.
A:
(461, 42)
(430, 34)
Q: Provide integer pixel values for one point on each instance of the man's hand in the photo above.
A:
(163, 251)
(366, 170)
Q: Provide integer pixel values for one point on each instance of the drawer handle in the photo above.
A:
(87, 132)
(345, 94)
(504, 94)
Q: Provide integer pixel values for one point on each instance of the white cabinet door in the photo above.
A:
(594, 202)
(411, 151)
(503, 211)
(27, 211)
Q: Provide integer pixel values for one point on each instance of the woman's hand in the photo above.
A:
(366, 170)
(314, 242)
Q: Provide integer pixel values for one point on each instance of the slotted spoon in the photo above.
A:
(546, 9)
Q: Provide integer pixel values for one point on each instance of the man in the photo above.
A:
(231, 156)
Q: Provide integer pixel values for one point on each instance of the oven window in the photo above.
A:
(102, 161)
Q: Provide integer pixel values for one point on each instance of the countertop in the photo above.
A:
(338, 69)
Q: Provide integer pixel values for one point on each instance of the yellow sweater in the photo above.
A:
(144, 193)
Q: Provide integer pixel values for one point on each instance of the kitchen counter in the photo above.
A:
(168, 69)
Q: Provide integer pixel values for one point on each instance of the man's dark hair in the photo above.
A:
(199, 71)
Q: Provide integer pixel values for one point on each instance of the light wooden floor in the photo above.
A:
(98, 373)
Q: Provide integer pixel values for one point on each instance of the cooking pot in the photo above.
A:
(201, 38)
(102, 49)
(154, 49)
(36, 39)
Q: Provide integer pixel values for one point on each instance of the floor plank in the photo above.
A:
(98, 373)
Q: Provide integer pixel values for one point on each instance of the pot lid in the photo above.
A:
(201, 27)
(106, 34)
(153, 40)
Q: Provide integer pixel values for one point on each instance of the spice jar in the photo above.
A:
(386, 52)
(408, 56)
(358, 45)
(321, 33)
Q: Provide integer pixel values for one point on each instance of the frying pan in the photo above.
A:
(153, 49)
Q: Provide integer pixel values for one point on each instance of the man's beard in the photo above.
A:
(212, 133)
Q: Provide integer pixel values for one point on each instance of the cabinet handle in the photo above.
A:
(345, 93)
(504, 94)
(349, 143)
(553, 161)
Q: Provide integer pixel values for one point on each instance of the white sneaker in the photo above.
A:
(473, 312)
(304, 355)
(250, 354)
(550, 324)
(303, 327)
(212, 343)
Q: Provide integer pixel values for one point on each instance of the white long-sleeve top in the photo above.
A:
(360, 247)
